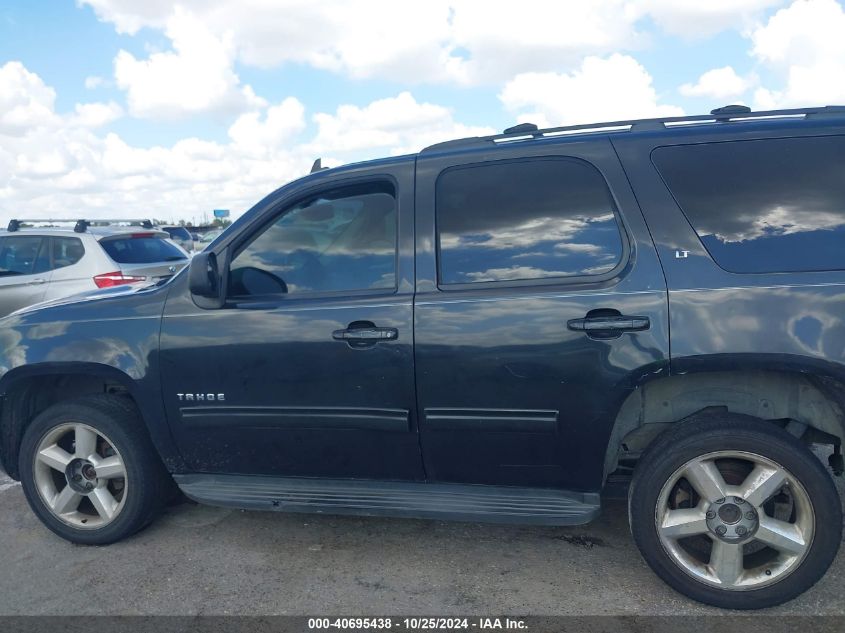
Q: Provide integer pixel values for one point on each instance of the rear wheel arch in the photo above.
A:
(807, 400)
(29, 390)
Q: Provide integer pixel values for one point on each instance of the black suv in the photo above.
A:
(494, 329)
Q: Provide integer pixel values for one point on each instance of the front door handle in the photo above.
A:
(37, 282)
(609, 324)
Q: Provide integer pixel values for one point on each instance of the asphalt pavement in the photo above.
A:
(201, 560)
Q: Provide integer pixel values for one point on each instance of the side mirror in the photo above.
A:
(204, 276)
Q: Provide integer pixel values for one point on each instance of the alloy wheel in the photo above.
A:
(80, 476)
(737, 536)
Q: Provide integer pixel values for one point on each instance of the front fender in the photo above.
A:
(115, 338)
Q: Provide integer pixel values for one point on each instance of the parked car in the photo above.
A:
(208, 237)
(494, 329)
(181, 236)
(39, 264)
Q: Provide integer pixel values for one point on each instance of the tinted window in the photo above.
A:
(342, 241)
(22, 255)
(66, 251)
(178, 233)
(525, 220)
(763, 206)
(141, 250)
(210, 236)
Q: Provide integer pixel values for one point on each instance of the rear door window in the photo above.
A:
(525, 220)
(141, 249)
(771, 205)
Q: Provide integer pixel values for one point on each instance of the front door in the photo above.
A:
(541, 306)
(308, 369)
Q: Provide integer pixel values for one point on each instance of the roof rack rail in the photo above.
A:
(726, 114)
(80, 226)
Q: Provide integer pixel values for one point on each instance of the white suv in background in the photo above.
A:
(49, 262)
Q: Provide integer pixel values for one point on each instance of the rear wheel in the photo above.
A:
(90, 472)
(735, 512)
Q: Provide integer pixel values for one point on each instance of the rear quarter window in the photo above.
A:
(66, 251)
(759, 206)
(141, 250)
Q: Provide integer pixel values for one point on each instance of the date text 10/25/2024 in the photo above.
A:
(418, 623)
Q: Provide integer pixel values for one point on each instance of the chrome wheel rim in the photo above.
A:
(80, 476)
(756, 516)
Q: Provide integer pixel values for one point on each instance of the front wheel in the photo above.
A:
(89, 470)
(735, 512)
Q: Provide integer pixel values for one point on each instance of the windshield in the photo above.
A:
(142, 250)
(210, 236)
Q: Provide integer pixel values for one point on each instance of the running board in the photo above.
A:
(453, 502)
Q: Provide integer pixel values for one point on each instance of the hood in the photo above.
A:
(93, 295)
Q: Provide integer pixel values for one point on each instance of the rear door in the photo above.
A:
(70, 274)
(24, 271)
(540, 306)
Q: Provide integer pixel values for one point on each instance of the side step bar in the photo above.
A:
(454, 502)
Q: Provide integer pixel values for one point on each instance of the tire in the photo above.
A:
(748, 565)
(103, 489)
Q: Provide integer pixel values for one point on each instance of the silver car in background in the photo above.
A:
(43, 263)
(181, 236)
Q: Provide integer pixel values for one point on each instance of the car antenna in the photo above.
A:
(317, 166)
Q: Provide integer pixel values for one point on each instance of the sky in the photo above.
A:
(136, 109)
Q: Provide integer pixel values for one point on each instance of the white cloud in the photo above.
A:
(399, 124)
(459, 41)
(93, 82)
(515, 272)
(503, 39)
(128, 16)
(697, 20)
(259, 135)
(380, 38)
(719, 83)
(49, 163)
(196, 76)
(96, 114)
(407, 41)
(804, 45)
(25, 101)
(60, 164)
(617, 87)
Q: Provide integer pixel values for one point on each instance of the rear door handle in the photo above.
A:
(609, 324)
(366, 334)
(37, 282)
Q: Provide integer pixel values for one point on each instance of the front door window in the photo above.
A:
(336, 243)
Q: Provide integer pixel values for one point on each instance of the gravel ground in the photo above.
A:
(204, 560)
